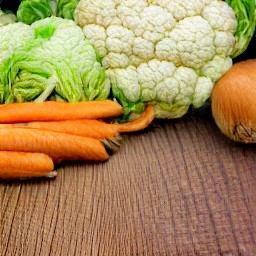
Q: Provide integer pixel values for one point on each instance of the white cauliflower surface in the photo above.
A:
(165, 52)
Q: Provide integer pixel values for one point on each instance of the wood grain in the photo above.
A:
(178, 188)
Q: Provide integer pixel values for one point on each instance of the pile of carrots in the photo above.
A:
(35, 136)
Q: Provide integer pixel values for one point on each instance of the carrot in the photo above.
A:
(90, 127)
(56, 110)
(140, 123)
(29, 149)
(59, 146)
(81, 127)
(25, 165)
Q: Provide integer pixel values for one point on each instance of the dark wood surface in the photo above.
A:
(177, 188)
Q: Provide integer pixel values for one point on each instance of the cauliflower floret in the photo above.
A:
(166, 52)
(102, 13)
(189, 44)
(98, 35)
(16, 35)
(183, 9)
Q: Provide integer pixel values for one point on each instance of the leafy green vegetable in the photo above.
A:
(246, 16)
(66, 8)
(30, 11)
(50, 58)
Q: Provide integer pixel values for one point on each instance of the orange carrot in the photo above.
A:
(81, 127)
(25, 165)
(56, 110)
(59, 146)
(138, 124)
(90, 127)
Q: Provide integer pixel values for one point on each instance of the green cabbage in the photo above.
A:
(66, 8)
(246, 16)
(49, 59)
(30, 11)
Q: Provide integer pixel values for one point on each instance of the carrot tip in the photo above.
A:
(51, 175)
(112, 145)
(48, 175)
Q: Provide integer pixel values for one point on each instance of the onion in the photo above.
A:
(233, 102)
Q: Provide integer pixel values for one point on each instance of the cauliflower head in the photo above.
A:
(50, 58)
(165, 52)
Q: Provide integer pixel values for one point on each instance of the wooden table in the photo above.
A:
(177, 188)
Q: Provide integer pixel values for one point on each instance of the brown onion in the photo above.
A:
(233, 102)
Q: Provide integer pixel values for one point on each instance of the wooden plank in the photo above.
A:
(178, 188)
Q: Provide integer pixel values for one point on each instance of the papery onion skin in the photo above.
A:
(233, 102)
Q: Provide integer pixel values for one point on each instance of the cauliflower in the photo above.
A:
(49, 58)
(6, 18)
(168, 53)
